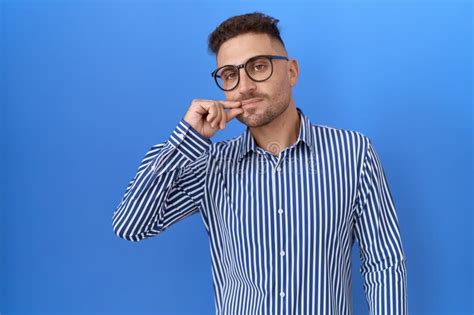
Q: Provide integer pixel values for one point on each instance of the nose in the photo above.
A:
(246, 85)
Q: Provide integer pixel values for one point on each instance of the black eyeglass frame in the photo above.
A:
(243, 65)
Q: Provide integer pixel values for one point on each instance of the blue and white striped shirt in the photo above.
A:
(281, 229)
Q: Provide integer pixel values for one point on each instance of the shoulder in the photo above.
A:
(226, 147)
(352, 144)
(334, 133)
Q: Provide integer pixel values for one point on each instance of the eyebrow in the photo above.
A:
(238, 64)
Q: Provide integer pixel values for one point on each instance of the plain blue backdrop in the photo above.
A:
(89, 86)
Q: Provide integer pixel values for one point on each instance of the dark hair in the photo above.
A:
(240, 24)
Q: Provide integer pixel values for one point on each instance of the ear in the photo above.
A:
(293, 71)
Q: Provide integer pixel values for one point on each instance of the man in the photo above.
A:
(283, 202)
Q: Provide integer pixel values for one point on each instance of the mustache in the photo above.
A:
(251, 97)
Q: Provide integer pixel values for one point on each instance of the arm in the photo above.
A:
(377, 232)
(167, 187)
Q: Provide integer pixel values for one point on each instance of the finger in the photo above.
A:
(223, 118)
(232, 113)
(211, 110)
(202, 107)
(216, 121)
(230, 104)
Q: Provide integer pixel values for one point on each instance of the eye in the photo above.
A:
(228, 74)
(260, 67)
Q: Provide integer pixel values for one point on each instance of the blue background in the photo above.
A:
(89, 86)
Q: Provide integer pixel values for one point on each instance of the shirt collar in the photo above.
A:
(248, 143)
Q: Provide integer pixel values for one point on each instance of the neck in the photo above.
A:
(279, 134)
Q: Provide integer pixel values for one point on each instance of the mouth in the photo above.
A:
(251, 101)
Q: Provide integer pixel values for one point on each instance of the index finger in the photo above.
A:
(230, 104)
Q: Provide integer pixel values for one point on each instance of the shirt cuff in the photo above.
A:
(188, 140)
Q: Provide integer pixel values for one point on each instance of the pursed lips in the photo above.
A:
(251, 101)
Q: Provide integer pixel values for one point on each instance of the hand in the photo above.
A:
(208, 116)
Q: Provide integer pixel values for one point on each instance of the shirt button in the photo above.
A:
(278, 169)
(280, 211)
(282, 253)
(282, 294)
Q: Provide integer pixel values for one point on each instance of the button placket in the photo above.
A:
(279, 161)
(281, 227)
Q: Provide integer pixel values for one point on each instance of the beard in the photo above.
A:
(264, 112)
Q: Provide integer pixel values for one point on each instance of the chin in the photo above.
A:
(254, 121)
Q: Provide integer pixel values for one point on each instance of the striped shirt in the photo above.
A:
(281, 228)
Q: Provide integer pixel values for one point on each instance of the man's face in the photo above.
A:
(273, 96)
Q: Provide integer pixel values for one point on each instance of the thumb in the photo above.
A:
(232, 113)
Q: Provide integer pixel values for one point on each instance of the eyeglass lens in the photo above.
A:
(258, 69)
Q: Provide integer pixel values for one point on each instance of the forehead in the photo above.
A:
(239, 49)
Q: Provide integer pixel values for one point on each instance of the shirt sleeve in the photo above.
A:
(168, 185)
(377, 232)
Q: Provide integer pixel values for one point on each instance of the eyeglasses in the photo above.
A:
(258, 68)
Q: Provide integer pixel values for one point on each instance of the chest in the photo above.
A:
(296, 194)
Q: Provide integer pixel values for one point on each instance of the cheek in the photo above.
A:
(281, 78)
(280, 87)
